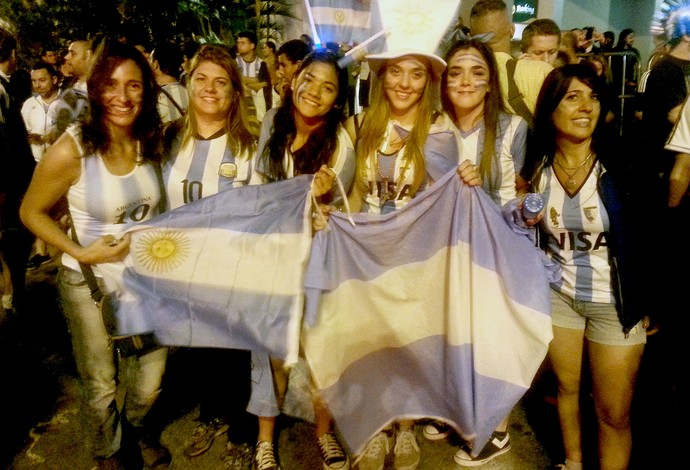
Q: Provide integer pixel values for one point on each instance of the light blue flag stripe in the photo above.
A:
(437, 310)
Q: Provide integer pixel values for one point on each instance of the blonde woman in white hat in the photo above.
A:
(403, 142)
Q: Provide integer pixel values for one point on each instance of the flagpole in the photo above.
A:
(367, 42)
(315, 35)
(348, 58)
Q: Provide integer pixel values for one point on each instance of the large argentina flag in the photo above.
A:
(436, 310)
(225, 271)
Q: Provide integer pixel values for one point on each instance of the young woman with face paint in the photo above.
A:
(492, 138)
(495, 141)
(304, 135)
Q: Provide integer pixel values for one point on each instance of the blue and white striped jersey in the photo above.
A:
(578, 229)
(511, 138)
(203, 167)
(442, 151)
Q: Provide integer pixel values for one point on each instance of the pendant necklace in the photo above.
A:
(571, 172)
(385, 194)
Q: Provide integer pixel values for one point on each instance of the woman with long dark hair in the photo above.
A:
(305, 135)
(106, 170)
(599, 304)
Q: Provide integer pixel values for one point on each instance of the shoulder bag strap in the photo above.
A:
(515, 97)
(87, 271)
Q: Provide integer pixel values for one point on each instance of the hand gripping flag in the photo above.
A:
(226, 271)
(436, 310)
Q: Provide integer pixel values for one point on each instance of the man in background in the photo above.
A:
(254, 72)
(73, 102)
(166, 63)
(541, 40)
(491, 16)
(290, 56)
(16, 169)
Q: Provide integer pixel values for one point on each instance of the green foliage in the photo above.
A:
(268, 24)
(38, 23)
(56, 22)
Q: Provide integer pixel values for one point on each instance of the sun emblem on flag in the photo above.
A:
(339, 16)
(411, 19)
(162, 250)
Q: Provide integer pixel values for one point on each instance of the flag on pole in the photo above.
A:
(436, 310)
(225, 271)
(344, 21)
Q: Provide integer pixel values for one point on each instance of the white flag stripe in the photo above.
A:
(221, 258)
(421, 294)
(341, 17)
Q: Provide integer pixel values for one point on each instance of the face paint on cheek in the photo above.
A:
(481, 84)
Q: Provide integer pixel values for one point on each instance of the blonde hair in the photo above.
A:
(371, 135)
(241, 132)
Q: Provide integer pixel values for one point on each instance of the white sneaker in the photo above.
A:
(264, 457)
(374, 455)
(436, 430)
(406, 450)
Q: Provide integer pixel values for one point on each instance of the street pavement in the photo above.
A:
(39, 407)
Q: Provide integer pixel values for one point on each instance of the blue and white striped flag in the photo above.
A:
(343, 20)
(225, 271)
(436, 310)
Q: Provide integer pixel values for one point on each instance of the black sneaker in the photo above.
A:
(499, 444)
(37, 260)
(332, 454)
(203, 436)
(238, 456)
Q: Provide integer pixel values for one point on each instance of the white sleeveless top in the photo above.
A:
(578, 228)
(105, 204)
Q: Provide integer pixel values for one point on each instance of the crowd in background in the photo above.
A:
(567, 114)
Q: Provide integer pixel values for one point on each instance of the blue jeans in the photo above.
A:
(101, 372)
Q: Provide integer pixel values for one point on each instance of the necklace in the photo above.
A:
(140, 158)
(385, 193)
(571, 172)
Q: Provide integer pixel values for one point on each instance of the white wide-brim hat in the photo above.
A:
(376, 61)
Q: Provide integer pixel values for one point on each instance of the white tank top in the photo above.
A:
(105, 204)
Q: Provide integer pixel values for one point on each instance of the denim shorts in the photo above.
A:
(598, 320)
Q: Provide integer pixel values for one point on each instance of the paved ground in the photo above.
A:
(39, 408)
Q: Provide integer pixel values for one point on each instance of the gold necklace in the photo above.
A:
(570, 183)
